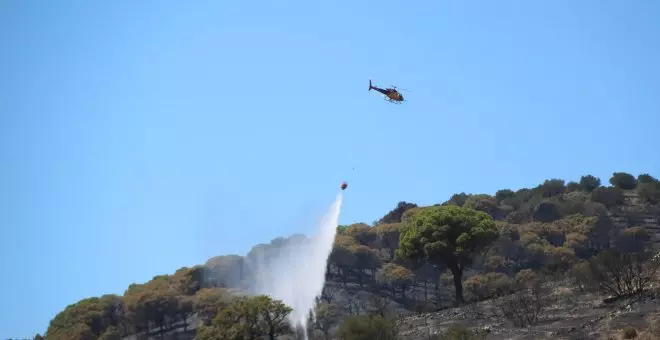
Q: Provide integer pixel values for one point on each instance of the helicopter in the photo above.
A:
(391, 93)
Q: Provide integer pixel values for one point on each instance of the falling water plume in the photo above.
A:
(295, 274)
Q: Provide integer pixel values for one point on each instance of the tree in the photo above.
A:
(184, 310)
(646, 178)
(589, 183)
(153, 303)
(365, 259)
(572, 186)
(208, 301)
(188, 281)
(327, 316)
(328, 293)
(623, 180)
(88, 318)
(361, 232)
(227, 271)
(240, 320)
(273, 316)
(482, 202)
(448, 235)
(394, 216)
(395, 276)
(248, 317)
(388, 237)
(552, 187)
(343, 257)
(504, 194)
(457, 199)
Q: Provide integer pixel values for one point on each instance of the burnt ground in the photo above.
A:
(568, 314)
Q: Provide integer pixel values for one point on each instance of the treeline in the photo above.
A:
(469, 248)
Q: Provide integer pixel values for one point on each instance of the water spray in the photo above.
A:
(296, 274)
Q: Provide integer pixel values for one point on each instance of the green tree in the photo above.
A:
(457, 199)
(361, 232)
(240, 320)
(248, 317)
(208, 301)
(394, 216)
(482, 202)
(448, 235)
(388, 237)
(623, 180)
(152, 303)
(396, 277)
(228, 270)
(327, 316)
(504, 194)
(187, 281)
(273, 316)
(184, 310)
(343, 256)
(87, 319)
(589, 183)
(646, 178)
(551, 187)
(366, 259)
(572, 186)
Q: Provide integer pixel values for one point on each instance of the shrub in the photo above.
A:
(649, 192)
(547, 211)
(527, 278)
(582, 277)
(629, 333)
(608, 196)
(366, 327)
(486, 286)
(524, 308)
(623, 274)
(459, 331)
(485, 203)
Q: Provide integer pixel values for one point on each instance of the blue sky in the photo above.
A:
(140, 137)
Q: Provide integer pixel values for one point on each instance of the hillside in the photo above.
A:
(562, 236)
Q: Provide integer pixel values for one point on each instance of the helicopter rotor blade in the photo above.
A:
(399, 88)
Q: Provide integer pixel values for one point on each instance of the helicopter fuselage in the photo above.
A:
(392, 94)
